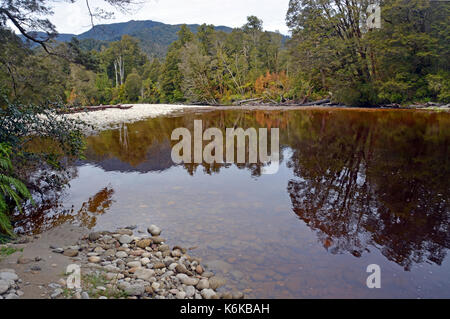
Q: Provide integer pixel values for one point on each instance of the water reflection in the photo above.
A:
(368, 185)
(51, 212)
(377, 182)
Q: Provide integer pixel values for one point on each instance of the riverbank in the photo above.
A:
(114, 117)
(113, 265)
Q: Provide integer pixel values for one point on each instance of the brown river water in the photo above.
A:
(354, 188)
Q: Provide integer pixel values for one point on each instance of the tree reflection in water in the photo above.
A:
(50, 213)
(359, 179)
(375, 181)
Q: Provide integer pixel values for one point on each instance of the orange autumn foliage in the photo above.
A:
(272, 85)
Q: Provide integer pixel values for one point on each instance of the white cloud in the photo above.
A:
(74, 18)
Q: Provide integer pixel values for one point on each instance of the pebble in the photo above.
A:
(125, 239)
(94, 259)
(133, 264)
(216, 282)
(56, 293)
(142, 267)
(70, 253)
(135, 290)
(181, 295)
(144, 274)
(94, 236)
(6, 275)
(121, 254)
(208, 294)
(203, 284)
(154, 230)
(24, 261)
(190, 291)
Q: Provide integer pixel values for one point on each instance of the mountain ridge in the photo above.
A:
(154, 37)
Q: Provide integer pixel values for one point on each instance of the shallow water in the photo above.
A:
(354, 188)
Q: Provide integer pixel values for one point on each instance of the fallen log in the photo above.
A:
(247, 101)
(316, 102)
(96, 108)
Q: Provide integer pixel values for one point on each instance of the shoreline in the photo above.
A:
(113, 264)
(105, 119)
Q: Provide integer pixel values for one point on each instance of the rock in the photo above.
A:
(238, 295)
(190, 291)
(208, 293)
(99, 250)
(156, 285)
(121, 254)
(143, 243)
(135, 290)
(70, 253)
(159, 265)
(125, 239)
(157, 240)
(94, 259)
(36, 268)
(180, 268)
(4, 286)
(102, 297)
(11, 296)
(181, 295)
(227, 295)
(203, 284)
(52, 285)
(84, 295)
(163, 248)
(216, 282)
(56, 293)
(111, 268)
(172, 266)
(23, 261)
(176, 253)
(154, 230)
(144, 274)
(145, 261)
(128, 232)
(94, 236)
(133, 264)
(58, 250)
(109, 252)
(186, 280)
(8, 276)
(199, 269)
(219, 265)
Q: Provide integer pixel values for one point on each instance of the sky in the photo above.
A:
(74, 17)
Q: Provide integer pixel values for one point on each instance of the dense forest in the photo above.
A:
(331, 54)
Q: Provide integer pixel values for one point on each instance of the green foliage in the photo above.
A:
(11, 189)
(60, 140)
(400, 62)
(133, 87)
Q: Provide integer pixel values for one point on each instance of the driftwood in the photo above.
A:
(96, 108)
(247, 101)
(321, 102)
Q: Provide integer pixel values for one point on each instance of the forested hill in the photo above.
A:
(155, 37)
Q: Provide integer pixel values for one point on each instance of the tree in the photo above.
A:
(133, 87)
(26, 16)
